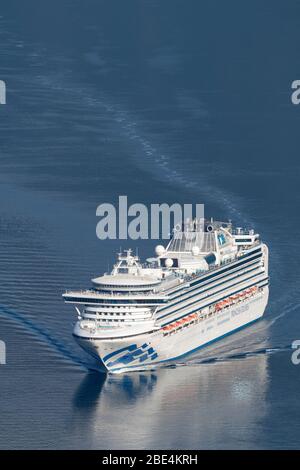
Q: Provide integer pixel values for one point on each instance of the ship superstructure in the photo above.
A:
(209, 281)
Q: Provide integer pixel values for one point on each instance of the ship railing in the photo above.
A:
(96, 294)
(199, 273)
(243, 231)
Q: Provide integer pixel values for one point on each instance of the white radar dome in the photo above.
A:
(169, 262)
(159, 250)
(195, 250)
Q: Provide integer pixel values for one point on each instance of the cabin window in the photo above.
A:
(123, 270)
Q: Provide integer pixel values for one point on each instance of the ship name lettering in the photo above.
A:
(240, 310)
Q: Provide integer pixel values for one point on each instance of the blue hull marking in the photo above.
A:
(114, 353)
(133, 353)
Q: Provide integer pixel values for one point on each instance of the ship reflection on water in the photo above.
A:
(193, 408)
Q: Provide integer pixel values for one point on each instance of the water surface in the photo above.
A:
(162, 102)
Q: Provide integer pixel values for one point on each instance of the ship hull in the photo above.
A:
(148, 350)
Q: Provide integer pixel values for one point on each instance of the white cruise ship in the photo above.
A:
(210, 281)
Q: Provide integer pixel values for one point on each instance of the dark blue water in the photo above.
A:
(169, 101)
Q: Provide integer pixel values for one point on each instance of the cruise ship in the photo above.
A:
(209, 281)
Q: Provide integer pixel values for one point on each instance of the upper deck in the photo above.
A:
(175, 267)
(196, 249)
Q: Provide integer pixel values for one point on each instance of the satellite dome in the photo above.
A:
(159, 250)
(169, 262)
